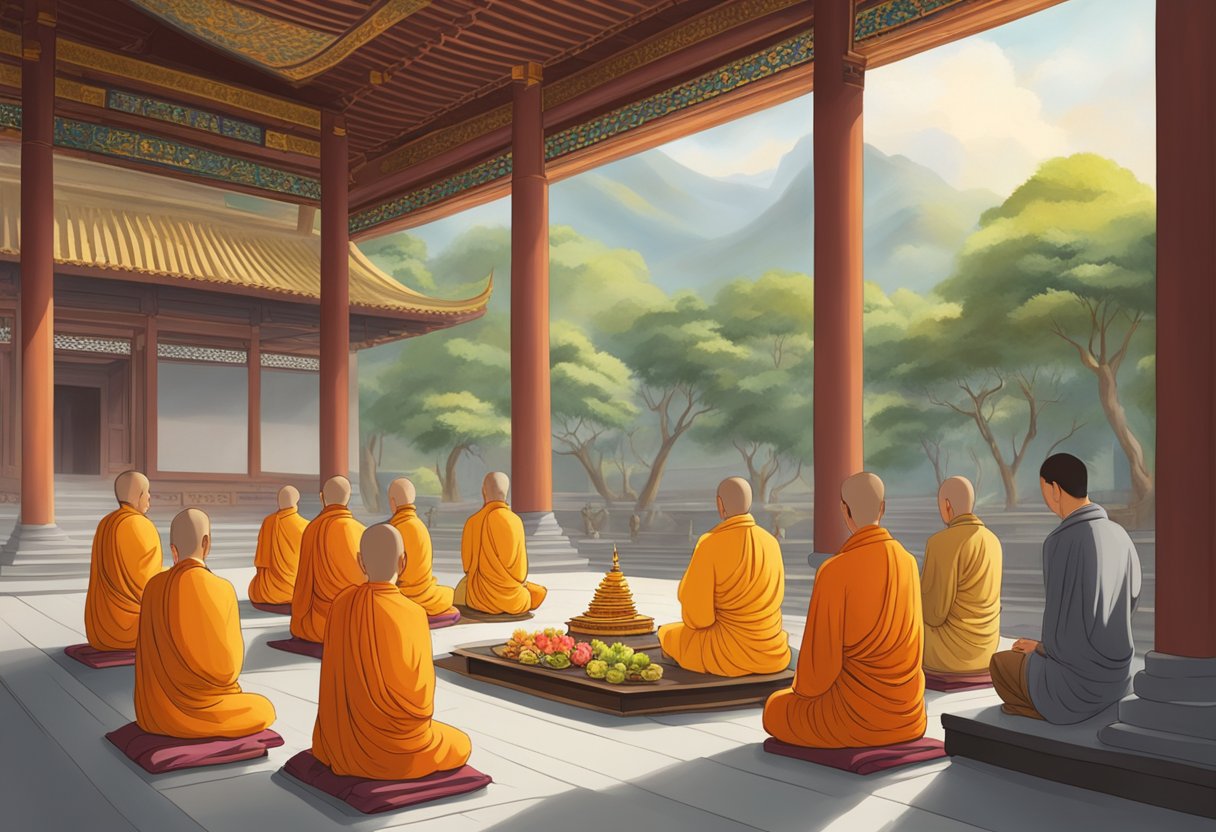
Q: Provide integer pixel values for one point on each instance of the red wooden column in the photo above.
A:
(531, 442)
(335, 299)
(839, 75)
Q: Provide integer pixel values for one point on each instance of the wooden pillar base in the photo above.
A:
(28, 541)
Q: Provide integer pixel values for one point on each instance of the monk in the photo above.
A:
(328, 561)
(730, 596)
(495, 560)
(961, 586)
(126, 554)
(859, 681)
(278, 554)
(377, 690)
(416, 581)
(190, 648)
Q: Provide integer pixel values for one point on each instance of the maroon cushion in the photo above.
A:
(372, 796)
(86, 654)
(155, 753)
(298, 645)
(951, 682)
(862, 760)
(277, 609)
(444, 619)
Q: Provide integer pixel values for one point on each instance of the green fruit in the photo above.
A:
(558, 661)
(597, 669)
(528, 657)
(652, 673)
(614, 676)
(640, 660)
(621, 666)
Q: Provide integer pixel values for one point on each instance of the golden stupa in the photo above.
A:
(612, 612)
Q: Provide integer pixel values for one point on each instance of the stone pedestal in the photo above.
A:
(549, 549)
(1173, 713)
(30, 539)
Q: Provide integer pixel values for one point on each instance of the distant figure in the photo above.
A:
(588, 528)
(328, 561)
(430, 518)
(961, 586)
(730, 596)
(126, 554)
(277, 558)
(190, 648)
(417, 580)
(635, 527)
(494, 556)
(1091, 573)
(859, 681)
(377, 689)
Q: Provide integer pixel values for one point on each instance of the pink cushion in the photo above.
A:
(862, 760)
(951, 682)
(297, 645)
(444, 619)
(155, 753)
(86, 654)
(277, 609)
(372, 796)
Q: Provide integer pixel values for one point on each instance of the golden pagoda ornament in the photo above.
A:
(612, 612)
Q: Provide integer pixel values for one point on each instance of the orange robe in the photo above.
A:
(277, 557)
(377, 691)
(496, 562)
(730, 602)
(126, 554)
(859, 681)
(417, 580)
(329, 563)
(189, 658)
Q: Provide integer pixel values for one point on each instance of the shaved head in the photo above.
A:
(864, 494)
(734, 496)
(289, 497)
(380, 553)
(495, 486)
(960, 493)
(336, 491)
(401, 492)
(190, 534)
(132, 488)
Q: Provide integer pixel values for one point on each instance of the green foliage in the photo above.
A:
(404, 257)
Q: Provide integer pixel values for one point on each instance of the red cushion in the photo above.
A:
(297, 645)
(951, 682)
(277, 609)
(862, 760)
(155, 753)
(372, 796)
(86, 654)
(444, 619)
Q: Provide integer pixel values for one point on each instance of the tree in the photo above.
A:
(901, 433)
(404, 257)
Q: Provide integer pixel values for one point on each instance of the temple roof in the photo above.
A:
(134, 226)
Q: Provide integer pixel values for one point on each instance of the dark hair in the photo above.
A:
(1066, 471)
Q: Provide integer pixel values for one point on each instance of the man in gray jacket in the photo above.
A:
(1091, 574)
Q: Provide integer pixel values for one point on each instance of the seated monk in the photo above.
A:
(278, 554)
(730, 596)
(328, 561)
(961, 586)
(377, 689)
(190, 649)
(859, 681)
(126, 554)
(495, 560)
(416, 581)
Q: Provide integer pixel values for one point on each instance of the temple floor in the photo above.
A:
(554, 766)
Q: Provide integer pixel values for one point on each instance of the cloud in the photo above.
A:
(715, 159)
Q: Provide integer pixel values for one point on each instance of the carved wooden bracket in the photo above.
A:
(854, 68)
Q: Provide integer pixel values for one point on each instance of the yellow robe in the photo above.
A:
(417, 580)
(329, 563)
(496, 562)
(377, 691)
(730, 602)
(277, 558)
(189, 659)
(961, 594)
(126, 554)
(859, 681)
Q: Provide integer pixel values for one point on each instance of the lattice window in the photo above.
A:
(6, 331)
(88, 343)
(206, 355)
(280, 361)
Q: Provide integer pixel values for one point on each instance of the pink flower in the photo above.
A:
(581, 655)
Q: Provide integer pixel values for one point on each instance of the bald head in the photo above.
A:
(734, 497)
(132, 488)
(863, 494)
(495, 486)
(380, 553)
(190, 535)
(289, 497)
(401, 492)
(336, 491)
(955, 497)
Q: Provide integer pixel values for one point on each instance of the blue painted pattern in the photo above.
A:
(149, 107)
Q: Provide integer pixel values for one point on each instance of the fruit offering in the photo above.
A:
(618, 663)
(550, 648)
